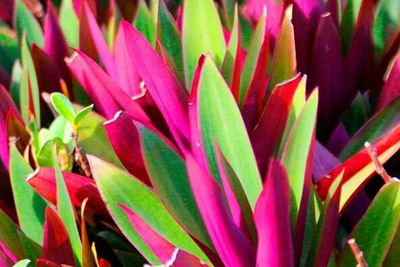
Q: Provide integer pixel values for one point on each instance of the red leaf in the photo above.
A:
(56, 244)
(359, 167)
(79, 188)
(276, 112)
(125, 141)
(254, 100)
(391, 89)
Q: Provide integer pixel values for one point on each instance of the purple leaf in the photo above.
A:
(272, 218)
(230, 242)
(55, 45)
(324, 161)
(327, 72)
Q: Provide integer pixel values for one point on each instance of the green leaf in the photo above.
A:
(8, 48)
(379, 124)
(63, 106)
(201, 34)
(221, 122)
(16, 75)
(284, 59)
(252, 56)
(22, 263)
(356, 115)
(67, 212)
(169, 36)
(29, 205)
(386, 24)
(82, 114)
(69, 23)
(349, 19)
(230, 55)
(376, 230)
(9, 236)
(168, 174)
(145, 23)
(26, 23)
(62, 129)
(118, 187)
(45, 158)
(297, 150)
(29, 90)
(93, 138)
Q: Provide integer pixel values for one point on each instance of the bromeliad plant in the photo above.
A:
(199, 134)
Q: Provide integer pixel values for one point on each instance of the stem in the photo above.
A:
(80, 157)
(358, 254)
(378, 165)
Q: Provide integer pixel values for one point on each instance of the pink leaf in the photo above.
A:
(272, 218)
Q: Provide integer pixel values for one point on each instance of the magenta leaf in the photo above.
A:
(272, 218)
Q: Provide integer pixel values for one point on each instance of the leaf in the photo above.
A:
(26, 22)
(82, 114)
(231, 244)
(22, 263)
(93, 139)
(79, 187)
(327, 72)
(386, 21)
(168, 175)
(8, 49)
(220, 121)
(99, 42)
(284, 59)
(144, 23)
(67, 212)
(117, 187)
(44, 158)
(161, 247)
(348, 22)
(200, 19)
(390, 90)
(69, 23)
(99, 86)
(374, 238)
(231, 56)
(252, 58)
(29, 90)
(166, 91)
(29, 205)
(236, 197)
(272, 219)
(125, 141)
(359, 168)
(264, 138)
(9, 236)
(87, 255)
(63, 106)
(298, 149)
(375, 127)
(169, 36)
(56, 245)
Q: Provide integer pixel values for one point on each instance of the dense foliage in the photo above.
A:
(201, 133)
